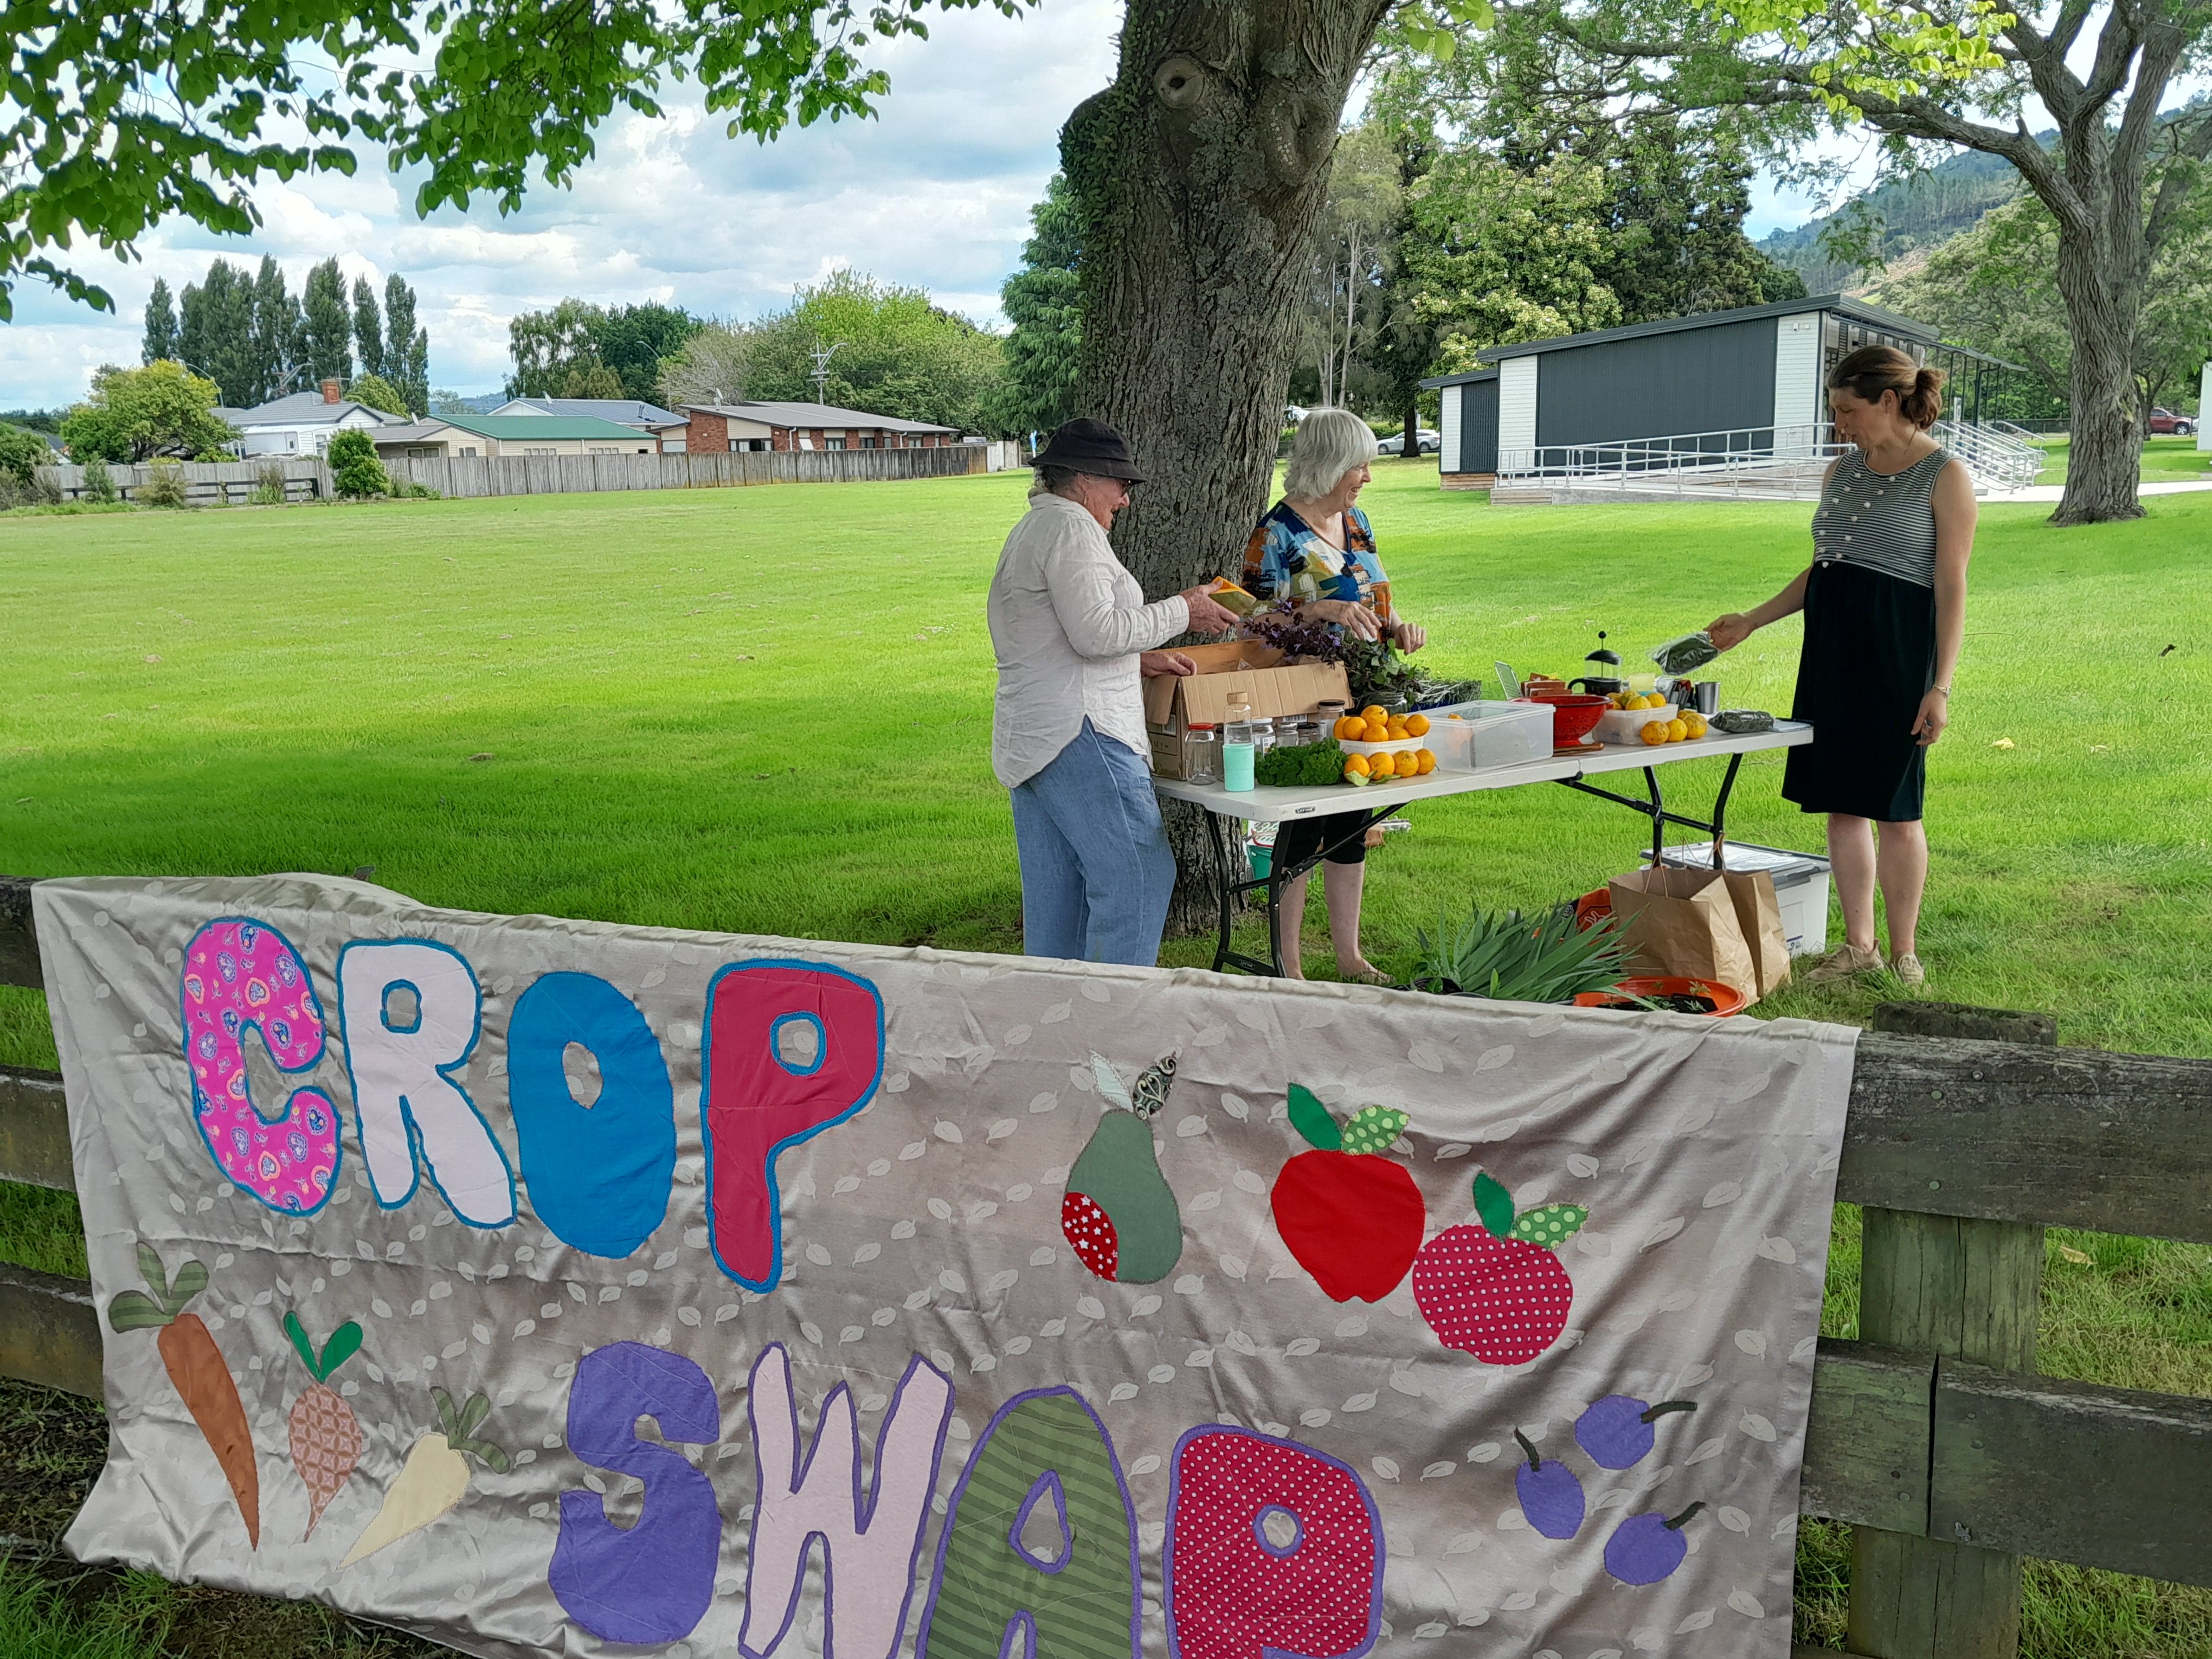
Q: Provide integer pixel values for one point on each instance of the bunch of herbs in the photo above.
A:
(1505, 956)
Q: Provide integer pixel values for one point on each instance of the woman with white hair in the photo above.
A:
(1316, 551)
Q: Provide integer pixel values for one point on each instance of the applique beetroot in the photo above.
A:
(1645, 1548)
(1617, 1430)
(1550, 1497)
(1120, 1214)
(1351, 1217)
(1498, 1291)
(325, 1434)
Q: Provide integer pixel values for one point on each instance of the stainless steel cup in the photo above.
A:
(1709, 698)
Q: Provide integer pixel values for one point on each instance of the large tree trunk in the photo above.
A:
(2104, 296)
(1201, 174)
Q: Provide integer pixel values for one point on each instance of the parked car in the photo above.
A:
(1428, 442)
(2164, 423)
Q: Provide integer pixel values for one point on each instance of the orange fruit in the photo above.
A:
(1428, 763)
(1350, 726)
(1409, 763)
(1653, 733)
(1373, 712)
(1376, 732)
(1696, 723)
(1356, 765)
(1416, 726)
(1677, 729)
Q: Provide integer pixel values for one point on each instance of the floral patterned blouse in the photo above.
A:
(1287, 559)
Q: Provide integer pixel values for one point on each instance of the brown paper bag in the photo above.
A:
(1683, 923)
(1759, 915)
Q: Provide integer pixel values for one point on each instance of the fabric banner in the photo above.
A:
(551, 1287)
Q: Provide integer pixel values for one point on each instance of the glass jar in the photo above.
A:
(1286, 731)
(1201, 755)
(1239, 748)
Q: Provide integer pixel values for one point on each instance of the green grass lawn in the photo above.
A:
(2165, 461)
(768, 710)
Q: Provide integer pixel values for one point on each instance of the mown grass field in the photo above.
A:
(768, 710)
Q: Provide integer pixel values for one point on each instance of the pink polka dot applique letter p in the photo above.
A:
(241, 975)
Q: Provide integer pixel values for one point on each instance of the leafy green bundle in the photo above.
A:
(1505, 956)
(1302, 766)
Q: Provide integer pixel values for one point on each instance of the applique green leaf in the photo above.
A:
(344, 1343)
(473, 1413)
(1311, 1119)
(191, 1278)
(135, 1311)
(494, 1459)
(1494, 1205)
(1552, 1225)
(448, 1420)
(1374, 1129)
(1110, 1086)
(150, 1269)
(300, 1345)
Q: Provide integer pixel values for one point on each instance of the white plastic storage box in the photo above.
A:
(1801, 883)
(1490, 734)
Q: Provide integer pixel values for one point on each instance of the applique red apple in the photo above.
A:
(1498, 1291)
(1351, 1217)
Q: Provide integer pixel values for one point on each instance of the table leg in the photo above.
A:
(1658, 814)
(1720, 811)
(1224, 886)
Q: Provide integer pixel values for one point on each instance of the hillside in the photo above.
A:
(1915, 213)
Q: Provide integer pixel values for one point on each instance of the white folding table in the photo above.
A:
(1358, 810)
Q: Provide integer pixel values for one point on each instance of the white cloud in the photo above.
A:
(935, 193)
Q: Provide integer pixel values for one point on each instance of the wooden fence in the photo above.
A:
(1933, 1435)
(230, 483)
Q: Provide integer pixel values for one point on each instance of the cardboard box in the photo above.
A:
(1240, 671)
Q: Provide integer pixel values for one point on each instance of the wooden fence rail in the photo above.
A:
(230, 483)
(1917, 1446)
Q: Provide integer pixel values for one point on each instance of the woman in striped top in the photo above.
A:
(1884, 604)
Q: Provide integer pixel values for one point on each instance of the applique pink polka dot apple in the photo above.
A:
(1499, 1291)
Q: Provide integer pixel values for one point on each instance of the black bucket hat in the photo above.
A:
(1083, 445)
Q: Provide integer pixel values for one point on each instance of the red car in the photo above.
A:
(2164, 423)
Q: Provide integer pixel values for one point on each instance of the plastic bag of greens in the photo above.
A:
(1692, 651)
(1736, 722)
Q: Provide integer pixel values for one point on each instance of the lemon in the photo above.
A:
(1653, 733)
(1677, 729)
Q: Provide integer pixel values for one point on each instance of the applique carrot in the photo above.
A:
(196, 1366)
(325, 1434)
(436, 1477)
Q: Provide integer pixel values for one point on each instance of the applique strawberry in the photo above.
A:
(1351, 1217)
(1498, 1291)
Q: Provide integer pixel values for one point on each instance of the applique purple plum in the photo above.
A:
(1498, 1291)
(1646, 1548)
(1550, 1497)
(1617, 1430)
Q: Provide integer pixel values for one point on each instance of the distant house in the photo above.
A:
(301, 424)
(622, 412)
(449, 436)
(718, 428)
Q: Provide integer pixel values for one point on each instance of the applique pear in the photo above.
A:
(1120, 1214)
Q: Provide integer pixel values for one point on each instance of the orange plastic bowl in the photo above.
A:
(1726, 998)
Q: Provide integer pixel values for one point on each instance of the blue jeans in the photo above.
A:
(1097, 871)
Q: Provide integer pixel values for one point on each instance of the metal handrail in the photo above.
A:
(1750, 460)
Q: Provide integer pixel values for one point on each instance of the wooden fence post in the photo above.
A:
(1960, 1288)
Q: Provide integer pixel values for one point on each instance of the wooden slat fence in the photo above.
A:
(230, 483)
(1923, 1451)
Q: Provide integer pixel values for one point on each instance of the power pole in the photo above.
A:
(822, 354)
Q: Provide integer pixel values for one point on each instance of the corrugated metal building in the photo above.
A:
(1733, 381)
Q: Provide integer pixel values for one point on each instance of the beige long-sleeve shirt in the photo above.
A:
(1068, 623)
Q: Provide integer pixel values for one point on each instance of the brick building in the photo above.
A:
(717, 427)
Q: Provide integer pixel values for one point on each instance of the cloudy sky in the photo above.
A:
(933, 193)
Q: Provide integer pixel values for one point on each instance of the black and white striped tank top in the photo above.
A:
(1881, 522)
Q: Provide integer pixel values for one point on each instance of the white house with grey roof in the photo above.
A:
(303, 423)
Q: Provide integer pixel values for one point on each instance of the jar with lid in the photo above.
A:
(1201, 755)
(1238, 747)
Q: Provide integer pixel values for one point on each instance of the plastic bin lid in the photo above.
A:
(1745, 857)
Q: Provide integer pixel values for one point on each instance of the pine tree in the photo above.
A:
(407, 347)
(367, 328)
(329, 325)
(1044, 302)
(276, 328)
(216, 339)
(161, 324)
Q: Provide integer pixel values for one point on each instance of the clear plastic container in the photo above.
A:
(1201, 754)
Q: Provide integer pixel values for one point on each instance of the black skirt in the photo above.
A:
(1868, 661)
